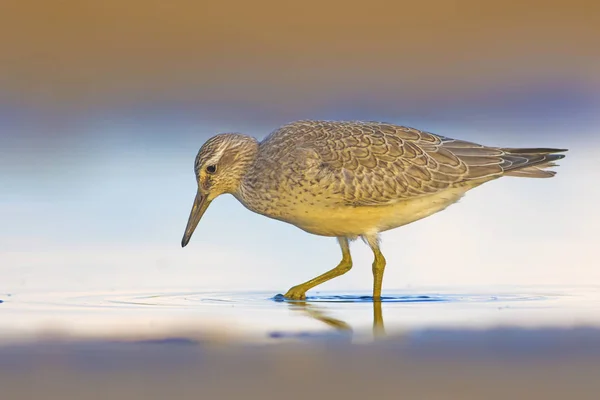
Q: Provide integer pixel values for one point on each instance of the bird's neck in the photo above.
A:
(245, 163)
(250, 191)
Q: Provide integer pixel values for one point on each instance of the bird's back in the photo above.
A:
(347, 178)
(372, 163)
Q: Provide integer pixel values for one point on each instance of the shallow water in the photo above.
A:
(267, 316)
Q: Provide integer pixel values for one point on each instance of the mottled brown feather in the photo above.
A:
(371, 163)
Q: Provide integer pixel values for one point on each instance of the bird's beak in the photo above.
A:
(200, 205)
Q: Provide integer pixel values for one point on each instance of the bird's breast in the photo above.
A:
(316, 214)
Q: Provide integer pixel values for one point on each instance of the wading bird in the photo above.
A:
(351, 179)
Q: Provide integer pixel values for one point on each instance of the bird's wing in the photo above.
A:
(369, 163)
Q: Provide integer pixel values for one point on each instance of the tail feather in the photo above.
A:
(531, 163)
(531, 172)
(539, 150)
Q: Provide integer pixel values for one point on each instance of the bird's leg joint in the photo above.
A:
(345, 265)
(379, 263)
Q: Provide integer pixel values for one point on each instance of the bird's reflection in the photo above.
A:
(378, 328)
(321, 314)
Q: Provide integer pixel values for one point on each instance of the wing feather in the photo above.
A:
(372, 163)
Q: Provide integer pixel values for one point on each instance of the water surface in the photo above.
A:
(266, 316)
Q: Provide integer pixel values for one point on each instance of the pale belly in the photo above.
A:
(355, 221)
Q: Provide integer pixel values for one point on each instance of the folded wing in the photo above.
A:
(369, 163)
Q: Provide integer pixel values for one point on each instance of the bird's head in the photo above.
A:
(220, 166)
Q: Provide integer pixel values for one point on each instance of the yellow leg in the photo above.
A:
(378, 266)
(298, 292)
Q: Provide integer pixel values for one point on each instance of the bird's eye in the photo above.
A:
(211, 169)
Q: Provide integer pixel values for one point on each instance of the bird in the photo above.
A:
(351, 179)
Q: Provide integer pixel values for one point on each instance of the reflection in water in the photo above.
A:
(309, 308)
(319, 314)
(314, 306)
(262, 316)
(378, 328)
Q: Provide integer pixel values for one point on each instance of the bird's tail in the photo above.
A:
(531, 163)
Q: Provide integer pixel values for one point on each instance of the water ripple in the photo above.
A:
(263, 299)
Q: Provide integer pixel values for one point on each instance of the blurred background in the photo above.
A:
(103, 106)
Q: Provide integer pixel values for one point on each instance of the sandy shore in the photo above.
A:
(432, 364)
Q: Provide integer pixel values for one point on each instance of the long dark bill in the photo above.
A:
(198, 209)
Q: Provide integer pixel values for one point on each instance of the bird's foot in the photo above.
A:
(296, 293)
